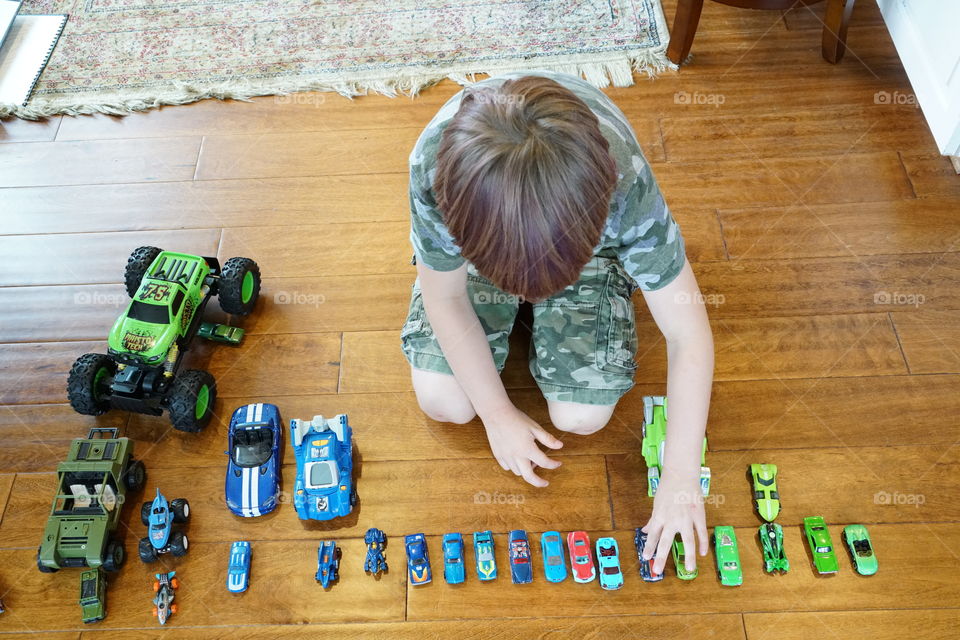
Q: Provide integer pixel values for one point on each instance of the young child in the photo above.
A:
(532, 187)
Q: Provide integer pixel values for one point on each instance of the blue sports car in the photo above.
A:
(453, 571)
(324, 449)
(554, 565)
(238, 572)
(521, 569)
(483, 552)
(253, 471)
(418, 562)
(608, 559)
(328, 563)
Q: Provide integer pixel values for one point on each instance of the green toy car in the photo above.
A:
(861, 549)
(728, 556)
(141, 370)
(654, 438)
(821, 545)
(93, 596)
(679, 561)
(771, 540)
(766, 498)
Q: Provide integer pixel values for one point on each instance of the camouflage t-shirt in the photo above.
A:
(640, 229)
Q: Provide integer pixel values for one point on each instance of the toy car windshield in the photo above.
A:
(152, 313)
(554, 560)
(730, 565)
(606, 552)
(611, 570)
(253, 445)
(321, 475)
(824, 549)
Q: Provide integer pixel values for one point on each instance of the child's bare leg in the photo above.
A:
(440, 397)
(579, 418)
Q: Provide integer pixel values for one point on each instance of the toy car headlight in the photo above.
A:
(155, 358)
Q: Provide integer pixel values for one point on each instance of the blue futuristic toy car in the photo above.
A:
(253, 471)
(328, 563)
(376, 561)
(521, 568)
(238, 571)
(159, 517)
(418, 562)
(646, 566)
(453, 571)
(324, 450)
(608, 559)
(554, 564)
(483, 552)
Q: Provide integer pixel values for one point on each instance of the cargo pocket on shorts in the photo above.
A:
(618, 328)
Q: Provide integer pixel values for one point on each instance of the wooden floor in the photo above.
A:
(823, 226)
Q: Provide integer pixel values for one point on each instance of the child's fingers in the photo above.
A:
(653, 536)
(663, 549)
(526, 470)
(700, 524)
(541, 460)
(546, 438)
(690, 559)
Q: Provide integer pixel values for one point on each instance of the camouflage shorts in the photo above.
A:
(584, 338)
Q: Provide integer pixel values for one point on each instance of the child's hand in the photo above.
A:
(677, 508)
(513, 437)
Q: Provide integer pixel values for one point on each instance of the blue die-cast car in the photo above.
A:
(608, 559)
(159, 517)
(328, 563)
(453, 571)
(521, 568)
(253, 471)
(418, 562)
(324, 487)
(238, 572)
(554, 564)
(483, 552)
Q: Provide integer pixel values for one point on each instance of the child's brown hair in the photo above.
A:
(524, 179)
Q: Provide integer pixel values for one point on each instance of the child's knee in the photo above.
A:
(443, 410)
(580, 419)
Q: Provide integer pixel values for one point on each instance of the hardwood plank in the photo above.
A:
(17, 130)
(930, 340)
(316, 153)
(831, 412)
(811, 16)
(175, 205)
(313, 250)
(749, 288)
(85, 312)
(89, 257)
(931, 174)
(598, 627)
(930, 624)
(701, 234)
(906, 579)
(36, 372)
(929, 225)
(98, 162)
(855, 177)
(484, 497)
(818, 132)
(6, 484)
(867, 484)
(282, 572)
(38, 437)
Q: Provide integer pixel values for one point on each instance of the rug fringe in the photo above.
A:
(601, 72)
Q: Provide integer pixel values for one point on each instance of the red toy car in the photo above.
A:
(581, 557)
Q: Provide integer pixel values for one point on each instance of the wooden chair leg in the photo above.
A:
(684, 28)
(835, 25)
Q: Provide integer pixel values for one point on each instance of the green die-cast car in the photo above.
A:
(766, 498)
(861, 549)
(141, 370)
(821, 545)
(654, 439)
(771, 540)
(679, 561)
(728, 556)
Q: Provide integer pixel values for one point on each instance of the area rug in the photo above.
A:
(118, 56)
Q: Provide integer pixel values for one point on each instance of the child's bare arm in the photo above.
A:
(512, 434)
(680, 314)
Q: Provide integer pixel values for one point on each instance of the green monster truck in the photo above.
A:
(141, 370)
(92, 485)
